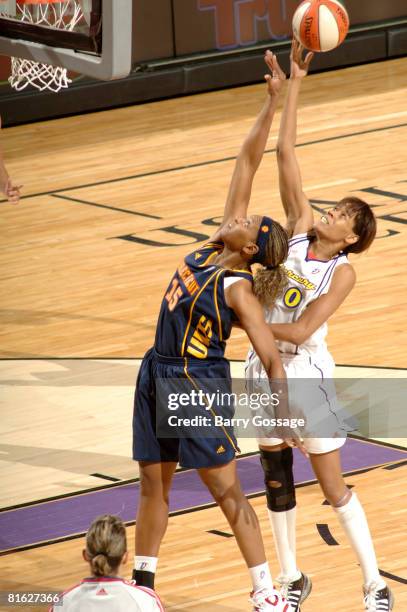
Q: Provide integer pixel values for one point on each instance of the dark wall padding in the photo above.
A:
(89, 95)
(249, 69)
(397, 41)
(192, 77)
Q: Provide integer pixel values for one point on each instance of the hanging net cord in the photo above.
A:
(60, 15)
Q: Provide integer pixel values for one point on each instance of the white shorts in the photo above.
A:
(317, 405)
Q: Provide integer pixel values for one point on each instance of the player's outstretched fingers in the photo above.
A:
(277, 69)
(308, 59)
(268, 58)
(297, 443)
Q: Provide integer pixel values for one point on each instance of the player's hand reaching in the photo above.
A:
(299, 64)
(297, 442)
(275, 80)
(291, 435)
(12, 192)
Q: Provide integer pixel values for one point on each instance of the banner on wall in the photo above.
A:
(205, 25)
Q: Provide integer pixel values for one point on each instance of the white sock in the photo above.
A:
(353, 520)
(261, 577)
(291, 516)
(145, 564)
(283, 525)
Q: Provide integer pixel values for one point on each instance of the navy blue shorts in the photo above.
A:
(190, 452)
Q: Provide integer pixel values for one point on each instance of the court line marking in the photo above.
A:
(326, 535)
(392, 576)
(129, 212)
(380, 442)
(189, 510)
(394, 466)
(331, 184)
(121, 483)
(352, 122)
(105, 477)
(180, 469)
(224, 534)
(205, 163)
(116, 358)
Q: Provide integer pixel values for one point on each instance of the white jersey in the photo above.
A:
(314, 400)
(110, 595)
(308, 279)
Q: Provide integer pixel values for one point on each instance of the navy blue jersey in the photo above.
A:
(194, 319)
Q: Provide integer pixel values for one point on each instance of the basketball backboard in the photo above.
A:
(91, 37)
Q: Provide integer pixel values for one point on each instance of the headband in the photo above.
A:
(262, 239)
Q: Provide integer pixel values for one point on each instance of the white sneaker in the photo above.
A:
(378, 599)
(269, 600)
(296, 591)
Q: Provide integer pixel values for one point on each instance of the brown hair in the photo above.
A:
(269, 283)
(106, 544)
(364, 223)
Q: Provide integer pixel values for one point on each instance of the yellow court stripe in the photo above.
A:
(192, 308)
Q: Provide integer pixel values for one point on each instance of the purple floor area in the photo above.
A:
(48, 521)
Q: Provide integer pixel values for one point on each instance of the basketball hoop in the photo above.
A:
(60, 14)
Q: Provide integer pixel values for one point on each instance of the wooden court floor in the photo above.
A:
(112, 201)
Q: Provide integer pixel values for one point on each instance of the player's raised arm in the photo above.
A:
(296, 205)
(253, 147)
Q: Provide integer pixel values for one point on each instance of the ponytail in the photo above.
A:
(269, 284)
(270, 281)
(102, 565)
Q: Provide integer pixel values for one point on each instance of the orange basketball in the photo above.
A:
(320, 25)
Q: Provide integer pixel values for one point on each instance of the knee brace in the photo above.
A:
(279, 479)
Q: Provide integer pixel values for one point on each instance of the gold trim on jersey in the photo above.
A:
(215, 299)
(245, 271)
(190, 378)
(213, 244)
(210, 256)
(193, 306)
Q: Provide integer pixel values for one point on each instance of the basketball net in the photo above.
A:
(60, 14)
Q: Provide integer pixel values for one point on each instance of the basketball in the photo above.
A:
(320, 25)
